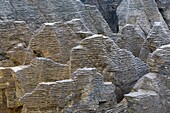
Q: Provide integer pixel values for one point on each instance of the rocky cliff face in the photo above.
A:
(61, 56)
(108, 10)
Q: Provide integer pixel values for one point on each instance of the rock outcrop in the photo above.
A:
(139, 12)
(61, 56)
(151, 93)
(158, 36)
(55, 40)
(14, 36)
(83, 93)
(35, 13)
(131, 39)
(164, 8)
(116, 65)
(108, 11)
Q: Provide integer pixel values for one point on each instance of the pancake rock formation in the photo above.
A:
(84, 56)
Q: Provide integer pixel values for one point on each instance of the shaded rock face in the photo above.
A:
(84, 92)
(39, 26)
(143, 13)
(158, 36)
(164, 9)
(55, 40)
(40, 70)
(14, 35)
(116, 65)
(35, 13)
(61, 56)
(108, 11)
(7, 93)
(17, 81)
(131, 39)
(151, 92)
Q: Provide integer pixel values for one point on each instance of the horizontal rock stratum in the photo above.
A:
(84, 56)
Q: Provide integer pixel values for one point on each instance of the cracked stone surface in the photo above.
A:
(84, 92)
(158, 36)
(116, 65)
(61, 56)
(151, 93)
(108, 11)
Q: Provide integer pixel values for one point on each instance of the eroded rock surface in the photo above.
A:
(35, 13)
(55, 40)
(108, 11)
(164, 8)
(158, 36)
(151, 93)
(83, 93)
(131, 39)
(140, 12)
(116, 65)
(13, 35)
(61, 56)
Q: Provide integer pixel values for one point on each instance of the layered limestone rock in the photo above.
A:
(60, 56)
(83, 93)
(20, 55)
(164, 8)
(131, 39)
(35, 13)
(152, 92)
(55, 40)
(108, 10)
(139, 12)
(66, 18)
(16, 81)
(40, 70)
(8, 99)
(158, 36)
(116, 65)
(13, 35)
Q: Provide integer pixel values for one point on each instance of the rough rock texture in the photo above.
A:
(164, 8)
(20, 55)
(158, 36)
(61, 56)
(7, 92)
(152, 92)
(139, 12)
(116, 65)
(49, 22)
(55, 40)
(40, 70)
(16, 81)
(83, 93)
(13, 34)
(35, 13)
(131, 39)
(108, 11)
